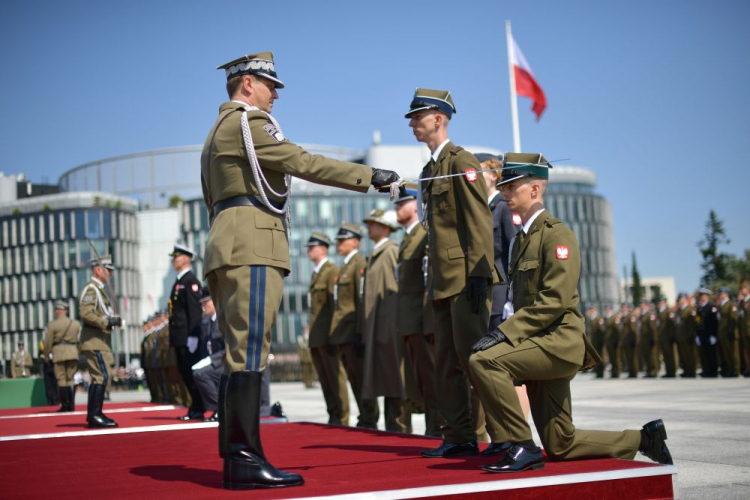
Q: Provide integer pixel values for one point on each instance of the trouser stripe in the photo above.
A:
(261, 316)
(102, 367)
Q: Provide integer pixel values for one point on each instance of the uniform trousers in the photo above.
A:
(729, 358)
(98, 363)
(686, 353)
(185, 362)
(597, 340)
(332, 377)
(422, 355)
(613, 355)
(547, 380)
(630, 355)
(650, 356)
(457, 329)
(354, 363)
(667, 346)
(207, 382)
(64, 372)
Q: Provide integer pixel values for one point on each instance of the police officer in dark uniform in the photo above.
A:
(708, 325)
(184, 322)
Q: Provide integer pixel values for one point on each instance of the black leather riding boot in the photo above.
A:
(63, 392)
(245, 465)
(71, 398)
(222, 415)
(96, 400)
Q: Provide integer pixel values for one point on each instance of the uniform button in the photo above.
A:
(359, 181)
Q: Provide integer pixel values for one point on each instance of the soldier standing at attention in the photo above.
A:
(380, 307)
(21, 362)
(595, 331)
(60, 339)
(647, 340)
(743, 305)
(184, 324)
(612, 339)
(461, 253)
(707, 331)
(666, 336)
(246, 169)
(325, 355)
(685, 322)
(629, 338)
(727, 337)
(347, 322)
(98, 320)
(543, 343)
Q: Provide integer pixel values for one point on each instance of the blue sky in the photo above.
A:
(651, 95)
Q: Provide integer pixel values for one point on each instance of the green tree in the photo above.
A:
(715, 264)
(637, 291)
(655, 294)
(739, 268)
(175, 201)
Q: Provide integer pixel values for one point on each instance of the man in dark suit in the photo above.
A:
(707, 337)
(184, 323)
(207, 372)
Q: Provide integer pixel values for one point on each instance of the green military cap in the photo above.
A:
(106, 261)
(407, 192)
(318, 239)
(520, 165)
(59, 304)
(260, 64)
(349, 230)
(386, 218)
(180, 249)
(439, 100)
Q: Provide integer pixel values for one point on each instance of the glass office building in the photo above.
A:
(44, 257)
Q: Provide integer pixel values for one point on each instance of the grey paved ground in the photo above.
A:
(708, 422)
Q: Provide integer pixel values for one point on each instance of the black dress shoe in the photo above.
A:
(652, 445)
(495, 449)
(248, 472)
(277, 411)
(97, 422)
(191, 415)
(517, 459)
(448, 450)
(213, 418)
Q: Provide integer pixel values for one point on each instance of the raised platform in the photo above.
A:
(22, 392)
(181, 461)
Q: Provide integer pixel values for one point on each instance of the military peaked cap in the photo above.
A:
(106, 261)
(349, 230)
(318, 239)
(387, 219)
(180, 249)
(61, 305)
(260, 64)
(520, 165)
(439, 100)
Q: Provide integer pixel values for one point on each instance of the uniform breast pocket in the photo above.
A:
(442, 197)
(526, 278)
(270, 237)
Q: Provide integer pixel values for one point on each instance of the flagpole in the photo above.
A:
(513, 96)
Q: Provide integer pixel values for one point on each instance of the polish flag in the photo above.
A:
(526, 84)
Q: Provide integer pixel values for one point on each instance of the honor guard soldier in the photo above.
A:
(347, 321)
(667, 337)
(459, 227)
(729, 358)
(647, 340)
(686, 325)
(60, 344)
(21, 362)
(184, 323)
(707, 333)
(325, 355)
(629, 338)
(98, 321)
(612, 339)
(411, 291)
(207, 372)
(595, 330)
(543, 343)
(246, 169)
(743, 305)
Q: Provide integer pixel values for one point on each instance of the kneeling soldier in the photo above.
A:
(543, 344)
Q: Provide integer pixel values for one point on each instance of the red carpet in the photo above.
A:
(52, 409)
(334, 460)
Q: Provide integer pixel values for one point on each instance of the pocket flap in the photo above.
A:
(456, 253)
(263, 221)
(440, 188)
(528, 265)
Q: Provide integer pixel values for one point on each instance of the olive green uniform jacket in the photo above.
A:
(347, 314)
(244, 236)
(728, 339)
(21, 364)
(61, 339)
(411, 285)
(321, 304)
(545, 268)
(382, 355)
(95, 310)
(459, 223)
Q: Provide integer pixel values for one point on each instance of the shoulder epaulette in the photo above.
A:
(552, 221)
(456, 149)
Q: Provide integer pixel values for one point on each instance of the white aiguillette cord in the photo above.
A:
(394, 186)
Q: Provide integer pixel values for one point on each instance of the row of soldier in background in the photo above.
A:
(703, 330)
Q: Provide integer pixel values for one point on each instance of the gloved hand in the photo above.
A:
(476, 292)
(698, 341)
(114, 321)
(712, 339)
(192, 344)
(358, 345)
(491, 339)
(382, 179)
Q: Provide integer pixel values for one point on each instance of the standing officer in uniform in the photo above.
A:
(96, 338)
(325, 355)
(629, 338)
(543, 343)
(595, 328)
(743, 300)
(21, 362)
(184, 323)
(246, 169)
(461, 253)
(666, 335)
(380, 305)
(727, 335)
(348, 319)
(207, 372)
(707, 333)
(686, 325)
(60, 339)
(647, 340)
(612, 339)
(411, 290)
